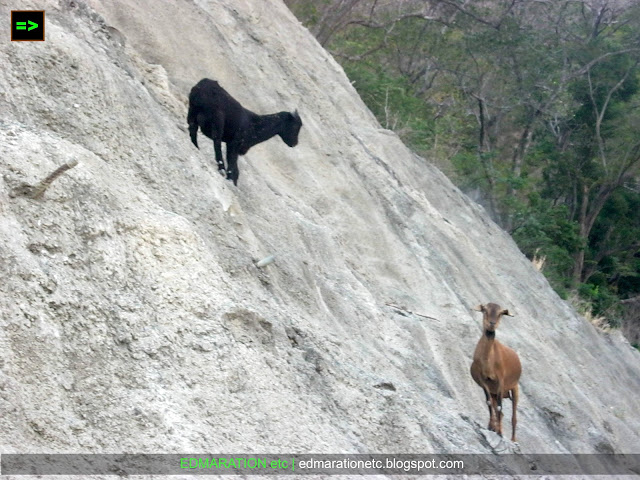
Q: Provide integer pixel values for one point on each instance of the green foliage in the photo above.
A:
(602, 301)
(310, 11)
(614, 245)
(392, 100)
(543, 231)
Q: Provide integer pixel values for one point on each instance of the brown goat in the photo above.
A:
(496, 368)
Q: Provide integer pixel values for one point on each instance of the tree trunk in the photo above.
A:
(578, 265)
(519, 153)
(483, 149)
(589, 211)
(335, 16)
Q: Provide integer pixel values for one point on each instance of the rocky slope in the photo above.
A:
(133, 317)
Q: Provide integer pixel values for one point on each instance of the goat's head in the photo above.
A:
(491, 315)
(292, 126)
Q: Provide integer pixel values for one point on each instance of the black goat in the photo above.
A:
(222, 119)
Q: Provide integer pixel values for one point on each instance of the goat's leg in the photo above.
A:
(217, 146)
(216, 130)
(492, 409)
(232, 164)
(514, 417)
(496, 414)
(499, 413)
(487, 396)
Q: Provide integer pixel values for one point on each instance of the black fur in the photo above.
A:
(221, 118)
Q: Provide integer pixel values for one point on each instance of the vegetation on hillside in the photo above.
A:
(531, 106)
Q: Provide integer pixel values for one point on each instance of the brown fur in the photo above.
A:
(496, 368)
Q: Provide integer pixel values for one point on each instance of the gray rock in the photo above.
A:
(133, 319)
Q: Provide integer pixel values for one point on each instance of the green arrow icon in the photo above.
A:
(23, 25)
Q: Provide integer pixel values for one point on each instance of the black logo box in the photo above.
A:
(24, 17)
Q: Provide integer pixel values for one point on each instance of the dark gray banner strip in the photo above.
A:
(318, 464)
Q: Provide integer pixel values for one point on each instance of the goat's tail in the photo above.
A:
(192, 120)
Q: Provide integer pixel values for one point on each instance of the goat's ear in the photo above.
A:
(478, 308)
(506, 312)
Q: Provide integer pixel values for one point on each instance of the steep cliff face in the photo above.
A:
(133, 317)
